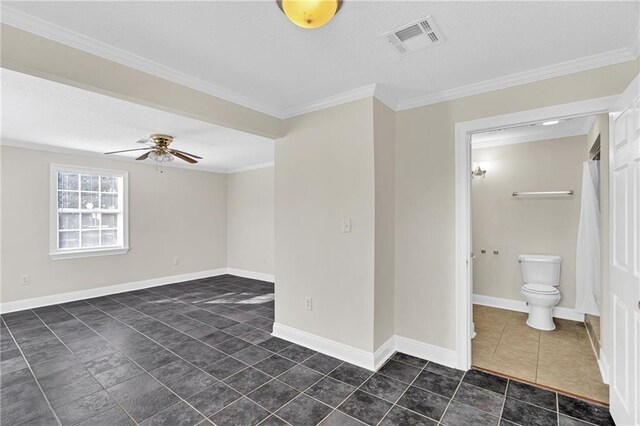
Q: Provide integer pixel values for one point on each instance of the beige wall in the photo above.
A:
(601, 128)
(325, 172)
(537, 225)
(384, 140)
(251, 223)
(177, 213)
(425, 211)
(31, 54)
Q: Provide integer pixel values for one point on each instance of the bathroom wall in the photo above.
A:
(514, 226)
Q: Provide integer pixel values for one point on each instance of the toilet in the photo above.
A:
(541, 276)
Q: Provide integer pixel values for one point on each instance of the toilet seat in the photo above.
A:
(540, 289)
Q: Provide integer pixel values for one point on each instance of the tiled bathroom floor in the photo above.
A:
(561, 359)
(201, 352)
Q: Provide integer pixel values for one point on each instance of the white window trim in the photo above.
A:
(54, 252)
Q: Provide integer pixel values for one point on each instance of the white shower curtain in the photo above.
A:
(588, 248)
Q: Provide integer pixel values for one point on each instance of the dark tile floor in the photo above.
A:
(200, 352)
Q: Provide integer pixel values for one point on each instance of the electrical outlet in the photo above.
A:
(308, 303)
(176, 261)
(24, 279)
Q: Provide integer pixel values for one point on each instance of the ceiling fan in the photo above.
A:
(159, 151)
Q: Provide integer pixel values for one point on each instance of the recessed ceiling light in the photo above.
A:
(550, 123)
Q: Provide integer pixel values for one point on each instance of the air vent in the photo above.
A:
(414, 36)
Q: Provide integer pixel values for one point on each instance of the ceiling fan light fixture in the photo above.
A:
(160, 157)
(309, 13)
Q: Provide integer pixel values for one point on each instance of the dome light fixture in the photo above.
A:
(309, 13)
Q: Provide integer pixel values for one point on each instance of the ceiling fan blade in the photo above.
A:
(144, 156)
(186, 153)
(183, 157)
(127, 150)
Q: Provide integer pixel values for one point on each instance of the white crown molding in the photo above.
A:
(330, 101)
(548, 135)
(62, 35)
(543, 73)
(83, 153)
(384, 96)
(521, 306)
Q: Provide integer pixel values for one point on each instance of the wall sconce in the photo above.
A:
(477, 171)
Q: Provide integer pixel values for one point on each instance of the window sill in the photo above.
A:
(76, 254)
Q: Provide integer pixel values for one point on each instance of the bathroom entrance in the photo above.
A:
(538, 239)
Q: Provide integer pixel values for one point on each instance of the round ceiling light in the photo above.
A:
(309, 13)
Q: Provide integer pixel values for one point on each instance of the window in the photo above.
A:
(88, 212)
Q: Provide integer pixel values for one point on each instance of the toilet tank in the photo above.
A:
(540, 268)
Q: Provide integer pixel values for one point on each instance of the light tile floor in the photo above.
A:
(561, 359)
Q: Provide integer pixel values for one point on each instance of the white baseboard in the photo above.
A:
(384, 352)
(250, 274)
(370, 360)
(54, 299)
(603, 364)
(521, 306)
(426, 351)
(347, 353)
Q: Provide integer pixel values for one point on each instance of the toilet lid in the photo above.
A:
(540, 289)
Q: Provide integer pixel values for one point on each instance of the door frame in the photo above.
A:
(463, 132)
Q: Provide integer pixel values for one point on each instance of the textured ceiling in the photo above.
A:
(38, 111)
(251, 49)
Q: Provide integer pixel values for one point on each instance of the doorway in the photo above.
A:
(624, 291)
(463, 261)
(536, 237)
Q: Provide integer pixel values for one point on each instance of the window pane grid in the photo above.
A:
(89, 211)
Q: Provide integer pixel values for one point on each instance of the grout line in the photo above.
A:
(138, 365)
(175, 293)
(309, 387)
(83, 366)
(405, 391)
(539, 351)
(55, 415)
(557, 408)
(169, 350)
(452, 397)
(504, 401)
(228, 355)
